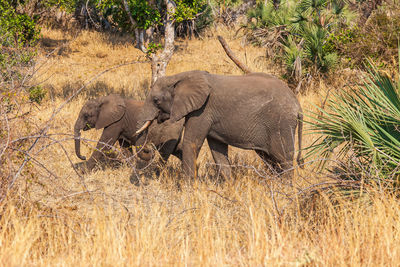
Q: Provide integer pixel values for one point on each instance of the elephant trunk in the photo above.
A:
(77, 136)
(148, 114)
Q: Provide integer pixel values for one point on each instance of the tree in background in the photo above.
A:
(145, 17)
(148, 20)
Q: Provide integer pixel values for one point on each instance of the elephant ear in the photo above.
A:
(190, 94)
(112, 108)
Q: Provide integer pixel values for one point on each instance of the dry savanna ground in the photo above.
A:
(58, 218)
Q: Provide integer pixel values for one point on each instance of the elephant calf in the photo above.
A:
(118, 119)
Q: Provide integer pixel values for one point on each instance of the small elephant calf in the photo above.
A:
(118, 118)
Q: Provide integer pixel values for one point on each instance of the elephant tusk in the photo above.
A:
(144, 127)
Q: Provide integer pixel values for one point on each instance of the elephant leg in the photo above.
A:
(106, 141)
(269, 161)
(126, 147)
(280, 153)
(167, 149)
(219, 152)
(194, 136)
(287, 148)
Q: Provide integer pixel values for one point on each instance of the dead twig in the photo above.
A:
(43, 131)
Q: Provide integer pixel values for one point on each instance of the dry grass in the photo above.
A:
(50, 219)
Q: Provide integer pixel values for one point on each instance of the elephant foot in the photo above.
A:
(134, 179)
(114, 163)
(82, 167)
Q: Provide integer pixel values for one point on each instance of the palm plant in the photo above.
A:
(305, 22)
(363, 121)
(318, 55)
(265, 15)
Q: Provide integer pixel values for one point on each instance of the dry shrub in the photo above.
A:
(200, 224)
(377, 39)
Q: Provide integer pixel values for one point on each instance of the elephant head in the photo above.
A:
(174, 97)
(163, 136)
(98, 113)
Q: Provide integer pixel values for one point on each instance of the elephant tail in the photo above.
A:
(300, 160)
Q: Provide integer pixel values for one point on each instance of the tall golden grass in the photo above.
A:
(53, 217)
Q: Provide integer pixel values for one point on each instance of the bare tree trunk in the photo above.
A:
(159, 62)
(148, 35)
(139, 33)
(140, 39)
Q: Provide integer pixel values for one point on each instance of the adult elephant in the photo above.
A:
(254, 111)
(118, 118)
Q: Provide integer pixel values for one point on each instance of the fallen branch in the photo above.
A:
(230, 54)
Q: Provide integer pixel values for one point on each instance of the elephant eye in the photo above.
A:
(156, 100)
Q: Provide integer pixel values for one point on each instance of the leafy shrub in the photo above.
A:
(298, 32)
(18, 36)
(146, 14)
(196, 24)
(18, 32)
(363, 121)
(67, 5)
(377, 39)
(36, 94)
(142, 12)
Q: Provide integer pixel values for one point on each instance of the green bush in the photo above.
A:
(195, 24)
(36, 94)
(205, 19)
(16, 30)
(363, 122)
(67, 5)
(142, 12)
(298, 32)
(377, 39)
(18, 33)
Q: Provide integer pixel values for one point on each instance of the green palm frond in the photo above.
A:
(268, 16)
(364, 121)
(338, 6)
(311, 5)
(314, 21)
(293, 57)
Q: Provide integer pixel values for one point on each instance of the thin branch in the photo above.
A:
(47, 125)
(8, 133)
(126, 6)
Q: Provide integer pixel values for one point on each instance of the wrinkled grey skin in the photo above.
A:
(166, 137)
(254, 111)
(118, 117)
(163, 136)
